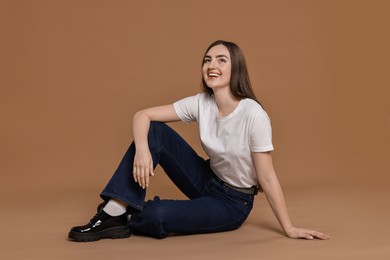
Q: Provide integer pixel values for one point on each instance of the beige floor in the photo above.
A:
(36, 227)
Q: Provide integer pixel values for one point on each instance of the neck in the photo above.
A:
(225, 100)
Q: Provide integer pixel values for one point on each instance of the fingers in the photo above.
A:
(319, 235)
(311, 234)
(307, 234)
(135, 173)
(145, 179)
(141, 175)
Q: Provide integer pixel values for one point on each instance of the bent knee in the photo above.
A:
(156, 125)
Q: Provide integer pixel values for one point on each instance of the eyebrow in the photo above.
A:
(218, 56)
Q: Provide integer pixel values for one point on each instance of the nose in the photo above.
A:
(212, 64)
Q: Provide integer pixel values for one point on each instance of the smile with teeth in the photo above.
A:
(213, 74)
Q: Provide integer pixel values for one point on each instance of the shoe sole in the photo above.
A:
(114, 233)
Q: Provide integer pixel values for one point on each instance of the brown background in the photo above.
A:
(72, 74)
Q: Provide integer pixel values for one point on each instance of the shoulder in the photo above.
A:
(204, 99)
(252, 108)
(190, 99)
(197, 101)
(255, 116)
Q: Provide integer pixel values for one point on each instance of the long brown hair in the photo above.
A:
(240, 84)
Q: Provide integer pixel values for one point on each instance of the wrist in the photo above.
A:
(288, 231)
(141, 147)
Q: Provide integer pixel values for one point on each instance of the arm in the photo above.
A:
(270, 184)
(143, 163)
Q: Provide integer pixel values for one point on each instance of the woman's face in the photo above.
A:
(217, 67)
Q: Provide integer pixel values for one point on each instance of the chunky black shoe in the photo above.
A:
(100, 226)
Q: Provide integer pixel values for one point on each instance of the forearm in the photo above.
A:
(275, 197)
(141, 124)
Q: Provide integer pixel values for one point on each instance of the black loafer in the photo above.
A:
(100, 226)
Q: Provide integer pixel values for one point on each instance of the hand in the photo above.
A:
(306, 234)
(142, 167)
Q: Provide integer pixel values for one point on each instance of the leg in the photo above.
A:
(187, 170)
(202, 215)
(184, 167)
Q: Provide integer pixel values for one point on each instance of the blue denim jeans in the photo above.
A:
(211, 207)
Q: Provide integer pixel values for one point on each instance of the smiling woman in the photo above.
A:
(239, 82)
(236, 135)
(217, 67)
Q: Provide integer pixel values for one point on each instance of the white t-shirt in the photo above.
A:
(229, 141)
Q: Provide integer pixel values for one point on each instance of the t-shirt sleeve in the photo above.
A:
(261, 133)
(187, 109)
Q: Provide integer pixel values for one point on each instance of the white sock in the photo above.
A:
(114, 208)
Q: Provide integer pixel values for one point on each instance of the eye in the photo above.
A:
(206, 60)
(221, 60)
